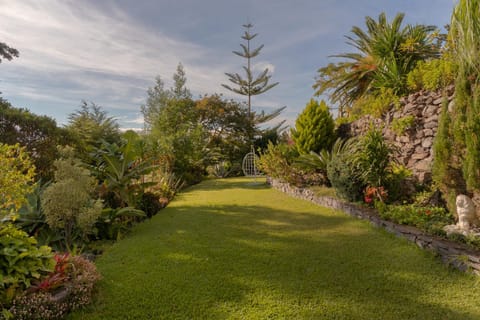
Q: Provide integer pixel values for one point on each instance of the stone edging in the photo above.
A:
(452, 253)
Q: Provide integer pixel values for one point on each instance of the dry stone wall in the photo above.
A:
(415, 143)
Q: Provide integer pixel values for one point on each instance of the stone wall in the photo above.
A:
(415, 144)
(455, 254)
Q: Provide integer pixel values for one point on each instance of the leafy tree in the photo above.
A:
(387, 52)
(227, 125)
(314, 128)
(173, 122)
(68, 203)
(7, 52)
(89, 126)
(16, 177)
(38, 134)
(249, 86)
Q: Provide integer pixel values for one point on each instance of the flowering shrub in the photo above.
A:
(429, 219)
(375, 193)
(38, 306)
(68, 287)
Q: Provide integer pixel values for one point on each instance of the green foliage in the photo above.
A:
(447, 170)
(401, 125)
(429, 219)
(16, 176)
(250, 85)
(457, 147)
(21, 262)
(31, 219)
(386, 52)
(228, 125)
(375, 104)
(89, 126)
(120, 170)
(74, 275)
(372, 158)
(431, 75)
(175, 129)
(39, 135)
(316, 161)
(113, 224)
(276, 161)
(398, 183)
(342, 172)
(68, 203)
(314, 128)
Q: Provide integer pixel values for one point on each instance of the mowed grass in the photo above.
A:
(230, 249)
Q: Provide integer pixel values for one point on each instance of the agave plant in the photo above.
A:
(31, 219)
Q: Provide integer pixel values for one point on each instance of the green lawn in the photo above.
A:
(230, 249)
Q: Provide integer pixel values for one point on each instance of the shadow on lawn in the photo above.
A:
(231, 183)
(300, 258)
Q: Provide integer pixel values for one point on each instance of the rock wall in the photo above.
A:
(455, 254)
(414, 144)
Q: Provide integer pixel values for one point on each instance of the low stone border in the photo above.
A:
(452, 253)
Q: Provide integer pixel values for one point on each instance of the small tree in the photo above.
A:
(314, 128)
(67, 202)
(89, 126)
(173, 122)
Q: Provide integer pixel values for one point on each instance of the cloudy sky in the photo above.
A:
(110, 51)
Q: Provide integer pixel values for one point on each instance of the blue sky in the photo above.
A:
(110, 51)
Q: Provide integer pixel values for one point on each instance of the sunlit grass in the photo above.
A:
(230, 249)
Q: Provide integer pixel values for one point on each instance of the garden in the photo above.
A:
(85, 204)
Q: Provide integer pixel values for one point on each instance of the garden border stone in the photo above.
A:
(452, 253)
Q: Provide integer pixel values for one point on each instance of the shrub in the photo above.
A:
(399, 183)
(345, 179)
(372, 156)
(374, 104)
(342, 173)
(21, 262)
(431, 75)
(69, 287)
(429, 219)
(150, 204)
(114, 223)
(16, 174)
(314, 128)
(276, 160)
(67, 202)
(401, 125)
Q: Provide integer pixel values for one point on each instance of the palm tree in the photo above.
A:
(386, 52)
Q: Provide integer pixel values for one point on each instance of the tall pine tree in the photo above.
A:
(249, 85)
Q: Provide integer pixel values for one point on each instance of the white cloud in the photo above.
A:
(67, 37)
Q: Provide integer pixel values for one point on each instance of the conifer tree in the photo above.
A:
(456, 166)
(314, 128)
(249, 86)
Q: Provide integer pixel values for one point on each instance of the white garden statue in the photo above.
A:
(467, 216)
